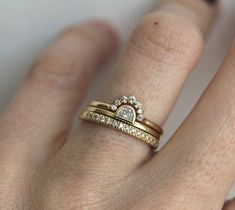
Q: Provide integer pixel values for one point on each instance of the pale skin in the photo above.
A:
(42, 167)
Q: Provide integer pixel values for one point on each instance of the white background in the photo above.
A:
(27, 27)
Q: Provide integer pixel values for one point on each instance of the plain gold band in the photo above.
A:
(119, 125)
(135, 124)
(145, 121)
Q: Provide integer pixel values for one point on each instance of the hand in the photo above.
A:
(43, 167)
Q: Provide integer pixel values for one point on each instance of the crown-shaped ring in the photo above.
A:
(128, 109)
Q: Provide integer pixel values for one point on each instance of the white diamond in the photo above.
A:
(133, 130)
(126, 113)
(102, 119)
(118, 103)
(113, 107)
(121, 125)
(95, 116)
(110, 121)
(138, 134)
(124, 99)
(138, 105)
(140, 111)
(107, 120)
(132, 99)
(140, 117)
(115, 123)
(126, 128)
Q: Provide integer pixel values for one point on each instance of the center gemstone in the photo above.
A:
(126, 113)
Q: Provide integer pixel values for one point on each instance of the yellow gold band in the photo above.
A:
(135, 124)
(122, 126)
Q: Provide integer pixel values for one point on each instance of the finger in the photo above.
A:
(161, 53)
(229, 205)
(200, 156)
(38, 119)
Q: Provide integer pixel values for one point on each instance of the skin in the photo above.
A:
(43, 167)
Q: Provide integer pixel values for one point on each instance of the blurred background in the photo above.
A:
(27, 27)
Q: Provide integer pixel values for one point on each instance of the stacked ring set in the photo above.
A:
(126, 115)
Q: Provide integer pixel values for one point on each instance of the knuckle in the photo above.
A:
(53, 70)
(167, 39)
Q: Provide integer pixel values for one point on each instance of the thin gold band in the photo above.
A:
(146, 122)
(135, 124)
(119, 125)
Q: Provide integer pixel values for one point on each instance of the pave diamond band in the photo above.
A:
(127, 115)
(129, 129)
(112, 115)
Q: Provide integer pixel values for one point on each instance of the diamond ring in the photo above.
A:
(127, 115)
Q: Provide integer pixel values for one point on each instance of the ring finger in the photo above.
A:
(160, 55)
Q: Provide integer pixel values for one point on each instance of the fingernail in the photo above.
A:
(211, 1)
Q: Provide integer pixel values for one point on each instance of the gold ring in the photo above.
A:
(126, 115)
(145, 121)
(124, 127)
(135, 124)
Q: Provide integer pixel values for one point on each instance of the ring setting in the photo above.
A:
(127, 115)
(128, 109)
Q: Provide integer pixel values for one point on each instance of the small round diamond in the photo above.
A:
(121, 125)
(107, 120)
(127, 128)
(138, 105)
(113, 107)
(140, 117)
(115, 124)
(140, 111)
(95, 116)
(102, 119)
(110, 121)
(132, 99)
(149, 138)
(124, 99)
(118, 103)
(138, 133)
(133, 130)
(143, 135)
